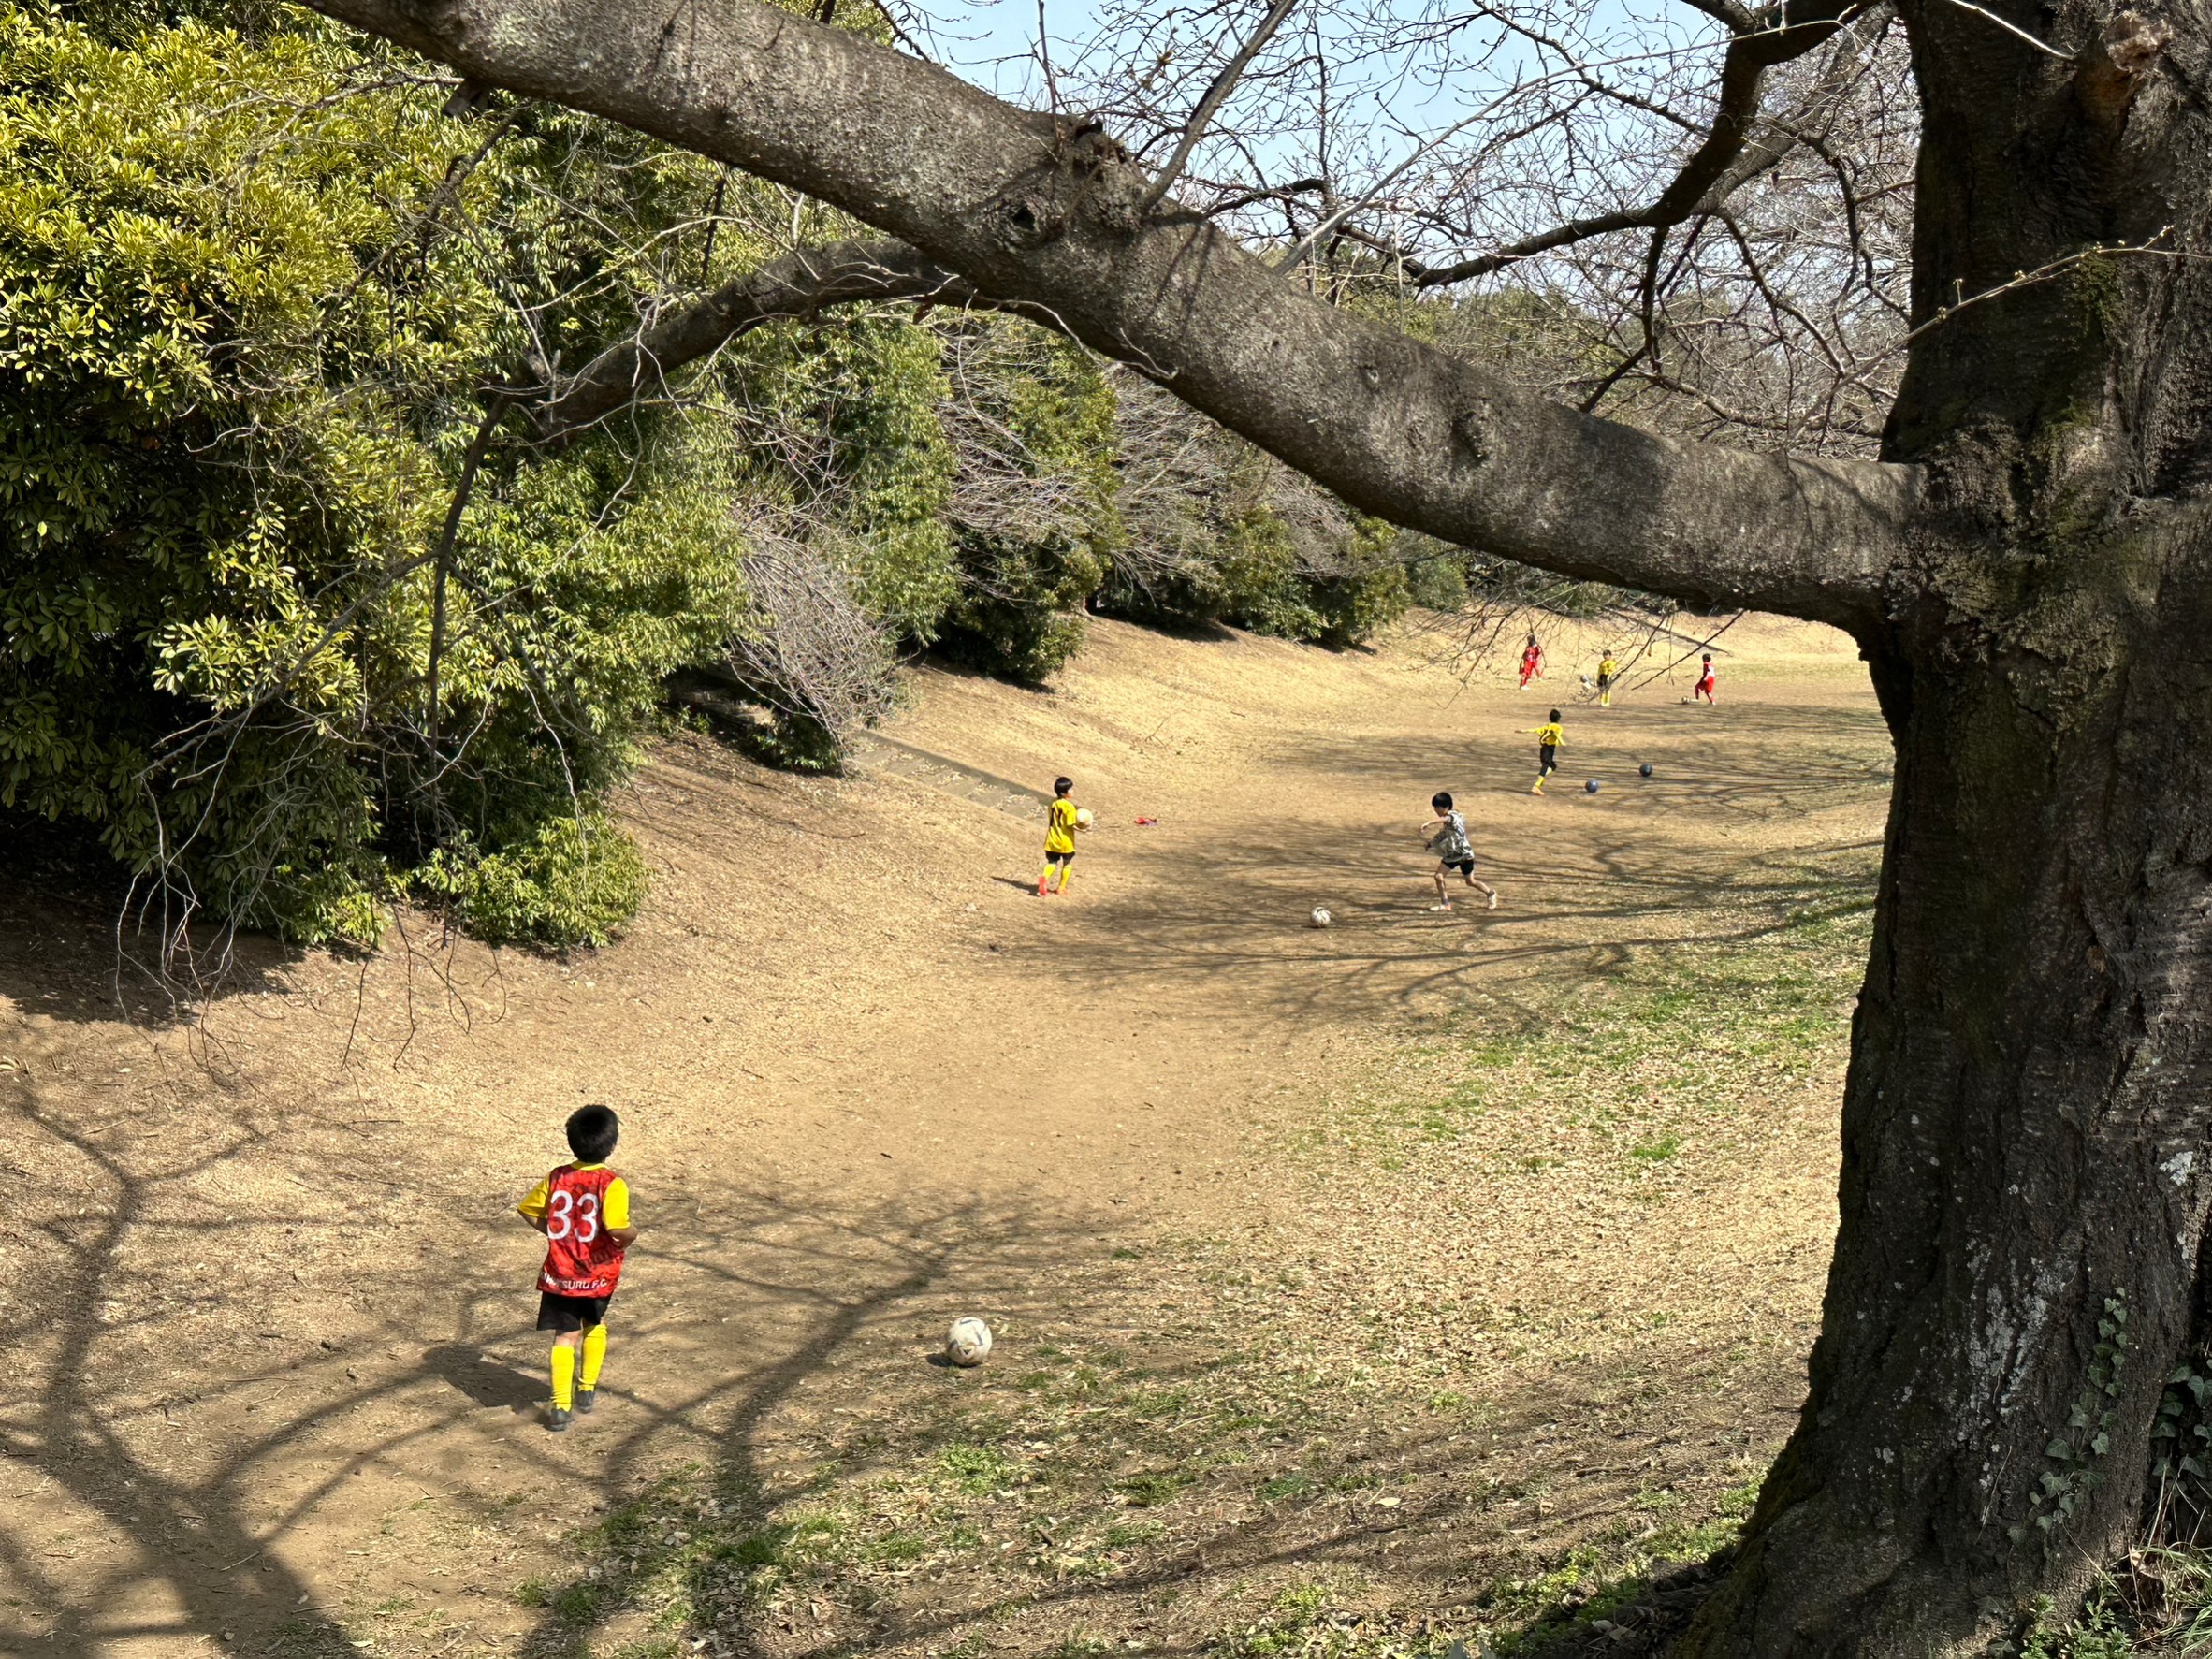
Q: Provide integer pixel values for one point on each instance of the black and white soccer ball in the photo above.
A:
(969, 1342)
(1321, 918)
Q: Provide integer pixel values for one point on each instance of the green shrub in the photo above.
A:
(576, 881)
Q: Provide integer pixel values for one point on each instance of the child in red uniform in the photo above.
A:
(583, 1209)
(1704, 680)
(1532, 661)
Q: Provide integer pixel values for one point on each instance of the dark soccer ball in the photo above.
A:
(1645, 768)
(1591, 787)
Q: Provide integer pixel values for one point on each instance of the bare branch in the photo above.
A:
(1027, 211)
(1719, 167)
(1217, 93)
(800, 284)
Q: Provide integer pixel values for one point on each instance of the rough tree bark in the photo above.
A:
(2024, 1124)
(2025, 1165)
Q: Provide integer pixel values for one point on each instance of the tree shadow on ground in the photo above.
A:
(772, 1548)
(185, 1462)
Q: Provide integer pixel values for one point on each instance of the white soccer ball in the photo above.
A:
(1321, 917)
(1083, 818)
(969, 1342)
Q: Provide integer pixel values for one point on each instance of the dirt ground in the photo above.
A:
(272, 1387)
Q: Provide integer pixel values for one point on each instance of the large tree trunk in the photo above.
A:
(2025, 1130)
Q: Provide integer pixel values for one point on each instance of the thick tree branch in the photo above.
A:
(1029, 209)
(800, 284)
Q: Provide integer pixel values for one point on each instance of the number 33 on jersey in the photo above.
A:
(578, 1203)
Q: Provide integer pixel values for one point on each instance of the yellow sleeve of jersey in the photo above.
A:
(534, 1207)
(617, 1204)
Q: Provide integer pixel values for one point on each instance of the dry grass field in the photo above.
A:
(1424, 1276)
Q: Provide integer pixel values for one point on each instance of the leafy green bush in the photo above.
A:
(239, 361)
(576, 881)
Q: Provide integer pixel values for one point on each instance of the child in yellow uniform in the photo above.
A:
(1606, 671)
(1548, 737)
(1060, 838)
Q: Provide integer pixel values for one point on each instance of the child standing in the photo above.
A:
(583, 1209)
(1060, 838)
(1548, 737)
(1704, 680)
(1446, 836)
(1605, 670)
(1532, 661)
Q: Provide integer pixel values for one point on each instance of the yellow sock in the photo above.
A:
(594, 1354)
(1066, 871)
(565, 1377)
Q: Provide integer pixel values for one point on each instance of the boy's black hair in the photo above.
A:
(1441, 800)
(1062, 785)
(592, 1131)
(1555, 716)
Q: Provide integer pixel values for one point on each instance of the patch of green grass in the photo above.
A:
(895, 1546)
(976, 1468)
(1310, 1620)
(1149, 1487)
(578, 1604)
(1658, 1151)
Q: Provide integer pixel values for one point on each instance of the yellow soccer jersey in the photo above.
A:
(1059, 833)
(1606, 669)
(1550, 734)
(615, 1207)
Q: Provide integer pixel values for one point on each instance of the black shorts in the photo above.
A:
(1464, 865)
(1548, 759)
(571, 1312)
(1059, 858)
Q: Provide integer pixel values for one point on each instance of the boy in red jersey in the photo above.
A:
(1703, 687)
(1532, 661)
(583, 1209)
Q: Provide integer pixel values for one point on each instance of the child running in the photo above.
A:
(583, 1209)
(1548, 737)
(1606, 671)
(1704, 681)
(1060, 838)
(1446, 836)
(1532, 661)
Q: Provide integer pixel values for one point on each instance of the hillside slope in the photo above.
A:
(1357, 1260)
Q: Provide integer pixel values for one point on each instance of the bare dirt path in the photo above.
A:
(272, 1385)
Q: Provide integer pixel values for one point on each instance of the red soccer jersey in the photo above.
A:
(578, 1203)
